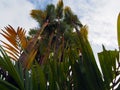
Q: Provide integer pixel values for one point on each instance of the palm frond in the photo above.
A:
(8, 66)
(17, 41)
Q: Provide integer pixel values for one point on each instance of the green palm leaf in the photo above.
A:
(7, 86)
(6, 64)
(118, 30)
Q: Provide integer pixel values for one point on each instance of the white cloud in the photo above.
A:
(16, 13)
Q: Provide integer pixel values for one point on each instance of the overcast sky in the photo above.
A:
(99, 15)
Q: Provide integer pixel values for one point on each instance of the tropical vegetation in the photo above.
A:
(56, 56)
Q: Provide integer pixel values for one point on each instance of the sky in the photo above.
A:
(16, 13)
(99, 15)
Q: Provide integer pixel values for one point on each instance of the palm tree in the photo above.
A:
(58, 32)
(56, 57)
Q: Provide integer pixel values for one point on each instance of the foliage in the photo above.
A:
(58, 56)
(118, 30)
(17, 41)
(18, 44)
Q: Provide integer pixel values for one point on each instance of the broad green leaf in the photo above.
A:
(80, 77)
(118, 30)
(38, 78)
(34, 79)
(93, 73)
(19, 69)
(107, 61)
(28, 80)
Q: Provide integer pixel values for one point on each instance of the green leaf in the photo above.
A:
(93, 75)
(38, 78)
(51, 14)
(118, 30)
(59, 9)
(108, 65)
(28, 80)
(80, 77)
(7, 86)
(38, 15)
(6, 64)
(19, 69)
(50, 78)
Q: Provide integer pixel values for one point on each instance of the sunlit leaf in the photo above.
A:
(118, 30)
(17, 41)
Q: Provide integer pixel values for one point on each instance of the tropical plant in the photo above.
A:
(58, 32)
(57, 56)
(17, 41)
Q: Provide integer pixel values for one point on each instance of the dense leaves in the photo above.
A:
(58, 56)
